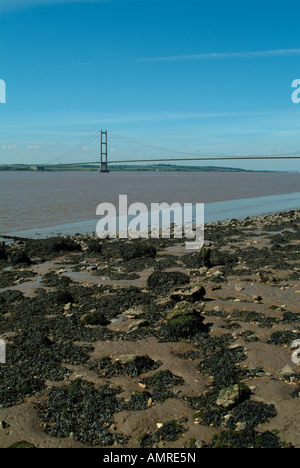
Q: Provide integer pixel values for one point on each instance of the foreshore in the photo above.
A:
(143, 344)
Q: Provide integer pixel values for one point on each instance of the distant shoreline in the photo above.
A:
(125, 167)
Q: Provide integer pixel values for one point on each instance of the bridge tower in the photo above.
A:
(103, 152)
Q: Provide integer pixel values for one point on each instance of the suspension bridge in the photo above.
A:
(104, 162)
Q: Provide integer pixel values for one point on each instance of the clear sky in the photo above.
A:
(205, 77)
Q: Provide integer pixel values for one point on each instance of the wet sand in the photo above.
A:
(118, 345)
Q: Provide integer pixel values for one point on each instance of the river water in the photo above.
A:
(47, 203)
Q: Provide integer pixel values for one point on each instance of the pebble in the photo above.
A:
(288, 371)
(240, 426)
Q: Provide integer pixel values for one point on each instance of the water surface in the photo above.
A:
(67, 201)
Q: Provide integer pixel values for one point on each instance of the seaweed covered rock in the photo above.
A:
(3, 253)
(183, 322)
(138, 249)
(22, 445)
(163, 279)
(19, 257)
(203, 258)
(94, 246)
(214, 257)
(123, 299)
(94, 318)
(62, 296)
(51, 247)
(219, 258)
(181, 309)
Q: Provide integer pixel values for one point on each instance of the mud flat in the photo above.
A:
(143, 344)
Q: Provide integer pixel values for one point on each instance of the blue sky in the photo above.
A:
(209, 78)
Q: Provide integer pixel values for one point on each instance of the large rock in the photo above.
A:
(94, 318)
(138, 249)
(232, 395)
(184, 322)
(19, 257)
(214, 257)
(50, 247)
(181, 309)
(164, 279)
(190, 294)
(3, 254)
(204, 258)
(94, 246)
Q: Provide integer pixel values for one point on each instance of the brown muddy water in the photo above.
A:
(32, 200)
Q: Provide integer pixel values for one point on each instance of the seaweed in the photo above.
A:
(167, 280)
(247, 438)
(131, 366)
(81, 410)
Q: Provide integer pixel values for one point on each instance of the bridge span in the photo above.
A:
(104, 162)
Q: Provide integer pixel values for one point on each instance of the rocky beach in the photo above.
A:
(143, 344)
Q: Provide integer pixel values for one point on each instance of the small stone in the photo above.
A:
(199, 444)
(218, 274)
(203, 270)
(127, 358)
(135, 311)
(235, 346)
(183, 419)
(288, 371)
(240, 426)
(257, 298)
